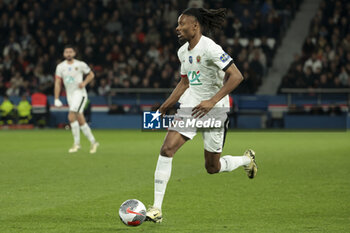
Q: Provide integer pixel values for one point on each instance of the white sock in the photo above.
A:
(230, 163)
(76, 132)
(87, 132)
(161, 177)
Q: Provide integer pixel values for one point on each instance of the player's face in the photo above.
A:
(69, 54)
(186, 28)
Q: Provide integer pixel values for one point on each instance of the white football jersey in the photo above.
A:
(72, 75)
(204, 65)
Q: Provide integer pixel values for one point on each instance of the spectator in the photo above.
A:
(251, 78)
(237, 27)
(313, 62)
(114, 24)
(267, 51)
(257, 63)
(24, 111)
(40, 109)
(15, 85)
(308, 78)
(323, 83)
(269, 27)
(346, 42)
(7, 112)
(195, 3)
(344, 76)
(134, 81)
(153, 53)
(12, 46)
(308, 47)
(246, 21)
(103, 88)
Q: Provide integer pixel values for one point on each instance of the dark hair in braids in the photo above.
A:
(209, 19)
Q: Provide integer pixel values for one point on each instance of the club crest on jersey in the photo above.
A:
(190, 59)
(224, 57)
(198, 59)
(76, 68)
(194, 77)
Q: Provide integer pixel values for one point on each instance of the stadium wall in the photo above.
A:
(249, 112)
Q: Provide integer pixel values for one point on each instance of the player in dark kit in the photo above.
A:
(208, 75)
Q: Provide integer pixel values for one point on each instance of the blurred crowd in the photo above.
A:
(325, 58)
(132, 44)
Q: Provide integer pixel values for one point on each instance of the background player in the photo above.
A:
(204, 66)
(71, 71)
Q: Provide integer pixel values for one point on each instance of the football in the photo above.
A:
(132, 212)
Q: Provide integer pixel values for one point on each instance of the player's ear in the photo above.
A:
(195, 25)
(198, 26)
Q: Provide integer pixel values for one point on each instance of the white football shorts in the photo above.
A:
(213, 138)
(77, 102)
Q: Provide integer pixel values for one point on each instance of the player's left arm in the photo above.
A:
(87, 80)
(233, 78)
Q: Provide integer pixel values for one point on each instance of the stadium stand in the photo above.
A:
(129, 44)
(325, 57)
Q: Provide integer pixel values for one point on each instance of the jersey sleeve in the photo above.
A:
(219, 56)
(183, 73)
(58, 72)
(85, 68)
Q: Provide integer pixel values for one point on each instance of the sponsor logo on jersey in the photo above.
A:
(190, 59)
(68, 79)
(198, 59)
(224, 57)
(194, 77)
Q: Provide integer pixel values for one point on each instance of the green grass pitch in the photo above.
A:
(303, 183)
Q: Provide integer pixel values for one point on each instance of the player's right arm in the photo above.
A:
(58, 81)
(180, 88)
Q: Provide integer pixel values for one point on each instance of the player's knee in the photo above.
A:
(71, 117)
(167, 151)
(212, 169)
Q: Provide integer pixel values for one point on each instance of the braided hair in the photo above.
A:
(209, 19)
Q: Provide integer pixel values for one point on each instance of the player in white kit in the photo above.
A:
(71, 71)
(208, 75)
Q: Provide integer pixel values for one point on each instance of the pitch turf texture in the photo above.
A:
(303, 183)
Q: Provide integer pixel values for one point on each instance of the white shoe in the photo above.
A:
(74, 148)
(154, 214)
(251, 169)
(93, 148)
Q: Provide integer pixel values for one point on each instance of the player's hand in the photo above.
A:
(163, 109)
(81, 85)
(203, 108)
(58, 103)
